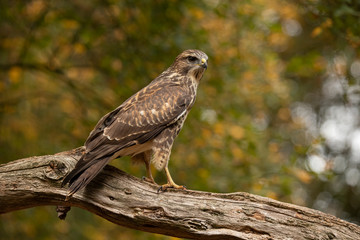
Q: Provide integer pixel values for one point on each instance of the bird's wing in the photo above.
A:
(138, 120)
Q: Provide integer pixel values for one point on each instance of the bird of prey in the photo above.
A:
(145, 125)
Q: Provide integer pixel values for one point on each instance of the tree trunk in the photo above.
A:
(131, 202)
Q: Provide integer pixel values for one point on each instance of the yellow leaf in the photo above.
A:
(237, 153)
(34, 8)
(197, 13)
(316, 32)
(219, 129)
(327, 23)
(303, 175)
(237, 132)
(79, 48)
(69, 24)
(272, 195)
(14, 74)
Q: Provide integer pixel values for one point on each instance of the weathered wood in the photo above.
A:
(131, 202)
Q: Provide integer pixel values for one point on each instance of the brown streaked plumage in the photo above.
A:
(144, 126)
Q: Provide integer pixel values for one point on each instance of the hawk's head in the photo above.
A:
(191, 62)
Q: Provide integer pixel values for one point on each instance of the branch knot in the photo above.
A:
(55, 170)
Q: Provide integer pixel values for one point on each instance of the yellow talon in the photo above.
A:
(170, 184)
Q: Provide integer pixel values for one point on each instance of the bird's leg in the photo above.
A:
(149, 177)
(170, 182)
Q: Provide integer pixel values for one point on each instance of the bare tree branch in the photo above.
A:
(130, 202)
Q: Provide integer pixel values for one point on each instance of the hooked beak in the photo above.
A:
(203, 63)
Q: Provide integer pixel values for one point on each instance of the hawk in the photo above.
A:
(145, 125)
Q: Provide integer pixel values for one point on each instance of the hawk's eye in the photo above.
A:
(192, 58)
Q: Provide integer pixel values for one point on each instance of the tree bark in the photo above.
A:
(131, 202)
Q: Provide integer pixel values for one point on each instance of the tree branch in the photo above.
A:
(131, 202)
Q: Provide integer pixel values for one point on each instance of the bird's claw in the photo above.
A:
(164, 187)
(149, 180)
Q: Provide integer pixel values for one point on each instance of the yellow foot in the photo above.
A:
(163, 188)
(149, 180)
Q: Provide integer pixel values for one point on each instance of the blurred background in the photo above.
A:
(277, 112)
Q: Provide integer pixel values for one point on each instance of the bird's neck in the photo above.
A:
(195, 75)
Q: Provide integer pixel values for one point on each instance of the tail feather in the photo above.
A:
(78, 178)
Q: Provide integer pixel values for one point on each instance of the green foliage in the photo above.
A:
(64, 64)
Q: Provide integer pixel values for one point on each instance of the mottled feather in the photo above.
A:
(131, 128)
